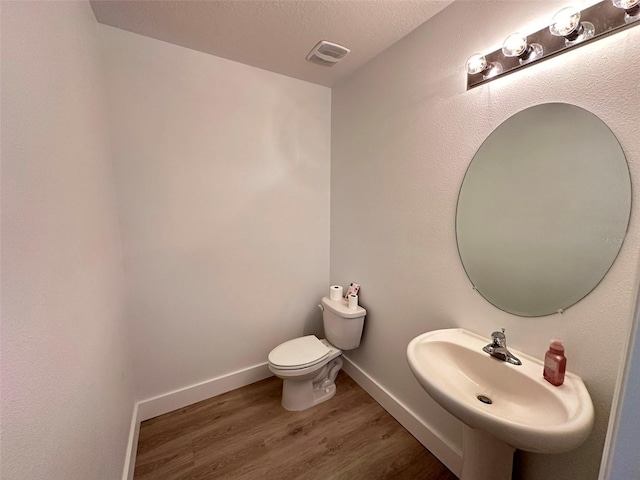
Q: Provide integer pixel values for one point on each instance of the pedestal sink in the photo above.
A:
(502, 406)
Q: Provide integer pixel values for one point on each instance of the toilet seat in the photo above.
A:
(299, 353)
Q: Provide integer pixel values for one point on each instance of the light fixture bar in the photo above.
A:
(605, 18)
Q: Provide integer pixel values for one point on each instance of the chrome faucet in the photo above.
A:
(498, 349)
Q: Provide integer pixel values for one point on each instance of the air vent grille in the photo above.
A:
(327, 53)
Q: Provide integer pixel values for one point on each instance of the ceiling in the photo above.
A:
(275, 35)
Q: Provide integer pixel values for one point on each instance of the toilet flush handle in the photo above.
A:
(321, 307)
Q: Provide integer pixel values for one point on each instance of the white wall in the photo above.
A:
(223, 186)
(404, 130)
(66, 379)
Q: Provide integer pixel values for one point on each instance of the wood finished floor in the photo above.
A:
(246, 434)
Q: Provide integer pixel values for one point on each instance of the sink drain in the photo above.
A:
(484, 399)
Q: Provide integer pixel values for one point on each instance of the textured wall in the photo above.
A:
(66, 376)
(403, 133)
(222, 175)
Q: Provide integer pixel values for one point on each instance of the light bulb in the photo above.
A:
(476, 64)
(515, 45)
(632, 8)
(566, 23)
(626, 4)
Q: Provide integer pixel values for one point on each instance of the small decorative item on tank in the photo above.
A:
(353, 289)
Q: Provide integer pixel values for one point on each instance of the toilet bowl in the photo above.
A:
(309, 366)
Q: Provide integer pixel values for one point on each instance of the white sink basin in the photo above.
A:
(527, 412)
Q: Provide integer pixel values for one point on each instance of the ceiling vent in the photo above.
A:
(327, 53)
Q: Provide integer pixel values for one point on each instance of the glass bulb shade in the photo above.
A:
(514, 45)
(534, 52)
(476, 63)
(625, 4)
(492, 70)
(565, 22)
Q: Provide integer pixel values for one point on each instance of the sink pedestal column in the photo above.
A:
(484, 457)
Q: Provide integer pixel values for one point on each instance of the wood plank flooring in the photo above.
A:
(246, 434)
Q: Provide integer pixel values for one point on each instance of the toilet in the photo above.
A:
(309, 366)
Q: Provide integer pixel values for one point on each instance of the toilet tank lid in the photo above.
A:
(299, 352)
(341, 307)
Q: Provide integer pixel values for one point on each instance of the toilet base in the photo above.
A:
(298, 395)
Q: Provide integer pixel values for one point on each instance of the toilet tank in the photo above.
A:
(342, 326)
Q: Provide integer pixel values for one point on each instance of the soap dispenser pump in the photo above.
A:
(555, 363)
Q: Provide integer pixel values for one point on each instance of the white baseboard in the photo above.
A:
(446, 453)
(165, 403)
(132, 446)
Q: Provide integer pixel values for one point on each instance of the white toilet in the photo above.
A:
(309, 366)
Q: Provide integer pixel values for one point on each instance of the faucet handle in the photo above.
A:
(499, 338)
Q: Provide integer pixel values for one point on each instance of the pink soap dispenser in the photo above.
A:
(555, 363)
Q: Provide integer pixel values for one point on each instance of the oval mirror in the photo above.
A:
(543, 209)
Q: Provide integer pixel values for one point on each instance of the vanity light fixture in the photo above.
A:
(631, 7)
(515, 45)
(477, 64)
(569, 28)
(566, 23)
